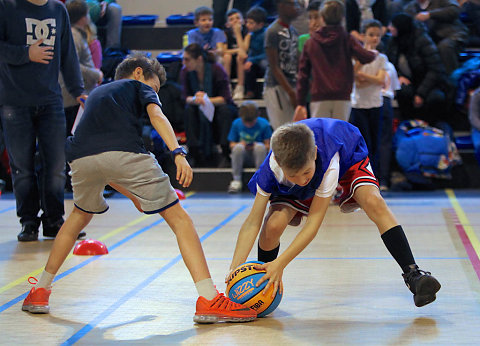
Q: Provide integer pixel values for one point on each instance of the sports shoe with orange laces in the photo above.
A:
(223, 309)
(37, 299)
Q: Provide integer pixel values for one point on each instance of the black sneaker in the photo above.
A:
(29, 232)
(51, 231)
(422, 284)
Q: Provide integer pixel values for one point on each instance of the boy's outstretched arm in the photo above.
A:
(160, 123)
(249, 230)
(274, 269)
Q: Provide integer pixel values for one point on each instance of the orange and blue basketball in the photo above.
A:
(241, 289)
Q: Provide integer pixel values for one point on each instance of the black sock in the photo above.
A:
(397, 244)
(267, 256)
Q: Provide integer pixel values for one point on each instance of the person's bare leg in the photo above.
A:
(65, 239)
(188, 241)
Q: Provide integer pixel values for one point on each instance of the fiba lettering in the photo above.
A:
(41, 29)
(241, 270)
(243, 289)
(257, 305)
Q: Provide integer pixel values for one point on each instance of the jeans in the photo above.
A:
(36, 184)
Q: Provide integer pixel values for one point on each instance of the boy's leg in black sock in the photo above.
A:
(267, 256)
(397, 244)
(422, 284)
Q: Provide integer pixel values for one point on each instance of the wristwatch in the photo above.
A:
(179, 151)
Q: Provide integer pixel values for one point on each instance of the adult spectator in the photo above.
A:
(442, 18)
(359, 11)
(35, 44)
(204, 81)
(422, 76)
(108, 14)
(470, 16)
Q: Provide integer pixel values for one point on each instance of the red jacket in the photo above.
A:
(327, 58)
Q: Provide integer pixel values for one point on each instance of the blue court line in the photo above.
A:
(81, 265)
(87, 328)
(7, 209)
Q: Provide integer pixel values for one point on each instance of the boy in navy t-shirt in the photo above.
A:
(249, 139)
(299, 176)
(107, 148)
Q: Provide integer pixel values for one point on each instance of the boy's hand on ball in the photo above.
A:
(274, 273)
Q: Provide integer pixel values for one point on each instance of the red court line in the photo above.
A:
(472, 254)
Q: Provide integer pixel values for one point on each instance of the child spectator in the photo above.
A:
(235, 50)
(256, 62)
(386, 125)
(281, 41)
(327, 59)
(298, 177)
(209, 38)
(367, 96)
(314, 23)
(78, 13)
(249, 141)
(474, 116)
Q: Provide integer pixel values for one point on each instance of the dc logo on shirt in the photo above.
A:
(41, 29)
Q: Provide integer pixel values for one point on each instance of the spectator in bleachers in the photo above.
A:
(327, 60)
(442, 18)
(358, 11)
(249, 140)
(108, 14)
(474, 116)
(35, 45)
(470, 16)
(422, 76)
(203, 80)
(257, 59)
(300, 23)
(367, 94)
(281, 42)
(205, 35)
(220, 7)
(78, 13)
(235, 50)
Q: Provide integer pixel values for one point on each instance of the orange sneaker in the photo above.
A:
(222, 308)
(37, 299)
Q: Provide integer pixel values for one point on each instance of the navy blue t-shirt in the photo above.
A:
(112, 120)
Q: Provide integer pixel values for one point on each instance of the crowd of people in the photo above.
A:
(338, 59)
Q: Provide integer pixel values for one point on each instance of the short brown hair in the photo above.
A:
(202, 11)
(332, 12)
(248, 111)
(293, 146)
(77, 9)
(149, 66)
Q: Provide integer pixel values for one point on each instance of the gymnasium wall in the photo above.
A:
(162, 8)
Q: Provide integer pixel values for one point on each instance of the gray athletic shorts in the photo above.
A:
(140, 174)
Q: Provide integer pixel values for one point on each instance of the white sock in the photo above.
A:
(206, 289)
(45, 280)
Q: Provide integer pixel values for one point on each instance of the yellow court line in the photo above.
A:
(462, 217)
(39, 270)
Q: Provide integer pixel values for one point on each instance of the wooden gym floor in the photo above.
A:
(343, 289)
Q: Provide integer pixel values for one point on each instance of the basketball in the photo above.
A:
(241, 289)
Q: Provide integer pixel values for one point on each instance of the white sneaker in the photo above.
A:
(235, 186)
(238, 93)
